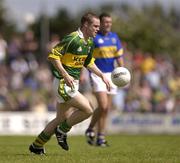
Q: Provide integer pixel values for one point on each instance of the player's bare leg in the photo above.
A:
(90, 134)
(104, 109)
(102, 98)
(82, 112)
(100, 116)
(37, 146)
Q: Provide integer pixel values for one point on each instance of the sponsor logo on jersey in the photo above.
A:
(79, 60)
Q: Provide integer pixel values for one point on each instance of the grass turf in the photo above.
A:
(123, 149)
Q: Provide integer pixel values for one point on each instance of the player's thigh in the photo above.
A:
(63, 111)
(81, 102)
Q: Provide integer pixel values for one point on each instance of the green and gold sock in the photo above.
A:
(41, 139)
(64, 127)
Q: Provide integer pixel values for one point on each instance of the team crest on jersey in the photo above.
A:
(113, 40)
(100, 41)
(79, 49)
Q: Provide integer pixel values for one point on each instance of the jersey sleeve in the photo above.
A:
(59, 50)
(89, 61)
(120, 50)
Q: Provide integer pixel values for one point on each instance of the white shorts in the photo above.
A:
(99, 86)
(64, 92)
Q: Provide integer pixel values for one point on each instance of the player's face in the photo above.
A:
(106, 24)
(93, 28)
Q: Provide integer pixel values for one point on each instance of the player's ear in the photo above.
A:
(86, 24)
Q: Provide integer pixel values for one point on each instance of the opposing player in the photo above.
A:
(67, 59)
(108, 48)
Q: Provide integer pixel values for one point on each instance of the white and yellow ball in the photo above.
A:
(121, 76)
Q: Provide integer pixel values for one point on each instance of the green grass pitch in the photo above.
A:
(123, 149)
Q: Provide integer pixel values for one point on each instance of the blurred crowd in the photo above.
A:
(25, 77)
(155, 85)
(26, 80)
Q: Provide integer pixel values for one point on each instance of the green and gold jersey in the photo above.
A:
(74, 53)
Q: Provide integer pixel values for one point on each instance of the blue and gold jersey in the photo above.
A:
(107, 49)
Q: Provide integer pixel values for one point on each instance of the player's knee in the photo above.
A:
(89, 112)
(104, 110)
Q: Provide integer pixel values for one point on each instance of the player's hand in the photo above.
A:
(69, 80)
(106, 81)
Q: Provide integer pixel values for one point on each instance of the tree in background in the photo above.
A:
(61, 23)
(6, 27)
(149, 28)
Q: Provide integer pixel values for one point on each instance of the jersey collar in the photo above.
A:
(100, 33)
(80, 33)
(81, 36)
